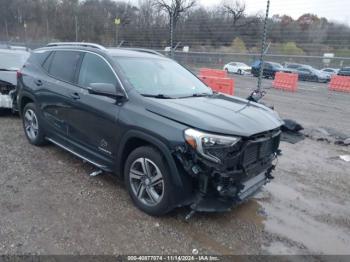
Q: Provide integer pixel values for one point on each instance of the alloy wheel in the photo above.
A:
(31, 124)
(146, 181)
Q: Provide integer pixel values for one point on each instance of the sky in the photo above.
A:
(335, 10)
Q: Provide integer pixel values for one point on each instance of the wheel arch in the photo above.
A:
(24, 100)
(134, 139)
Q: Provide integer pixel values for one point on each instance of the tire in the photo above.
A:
(226, 69)
(32, 125)
(239, 71)
(148, 163)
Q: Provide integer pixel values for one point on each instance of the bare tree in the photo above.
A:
(235, 9)
(174, 8)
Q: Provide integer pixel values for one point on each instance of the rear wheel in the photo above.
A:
(148, 181)
(239, 71)
(32, 126)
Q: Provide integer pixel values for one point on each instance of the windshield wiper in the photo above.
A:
(162, 96)
(4, 69)
(197, 95)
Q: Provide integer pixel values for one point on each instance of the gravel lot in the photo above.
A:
(49, 204)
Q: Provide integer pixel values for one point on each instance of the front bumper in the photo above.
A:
(6, 101)
(241, 174)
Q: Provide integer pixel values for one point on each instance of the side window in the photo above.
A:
(267, 66)
(95, 70)
(47, 62)
(64, 65)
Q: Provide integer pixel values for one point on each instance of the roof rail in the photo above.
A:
(77, 44)
(144, 50)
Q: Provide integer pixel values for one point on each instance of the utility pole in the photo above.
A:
(7, 30)
(76, 28)
(172, 35)
(263, 45)
(47, 29)
(117, 23)
(25, 33)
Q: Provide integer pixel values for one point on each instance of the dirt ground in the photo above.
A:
(49, 204)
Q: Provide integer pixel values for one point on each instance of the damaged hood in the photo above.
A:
(10, 77)
(217, 114)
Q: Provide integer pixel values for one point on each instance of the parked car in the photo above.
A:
(269, 70)
(308, 73)
(237, 68)
(146, 118)
(345, 71)
(330, 71)
(11, 60)
(292, 67)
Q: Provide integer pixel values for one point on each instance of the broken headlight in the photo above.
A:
(209, 145)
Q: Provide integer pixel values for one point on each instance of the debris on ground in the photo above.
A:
(346, 158)
(291, 131)
(291, 125)
(328, 135)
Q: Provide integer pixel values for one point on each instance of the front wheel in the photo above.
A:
(147, 178)
(32, 125)
(239, 71)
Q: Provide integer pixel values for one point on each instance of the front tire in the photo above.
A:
(239, 71)
(32, 125)
(147, 178)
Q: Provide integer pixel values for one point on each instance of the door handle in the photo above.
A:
(75, 96)
(38, 82)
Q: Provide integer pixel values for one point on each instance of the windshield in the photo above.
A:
(12, 61)
(154, 77)
(276, 65)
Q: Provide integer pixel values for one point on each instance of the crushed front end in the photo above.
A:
(227, 170)
(7, 94)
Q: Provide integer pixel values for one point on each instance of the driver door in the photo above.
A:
(94, 120)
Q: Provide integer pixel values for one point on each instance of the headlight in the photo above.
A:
(204, 142)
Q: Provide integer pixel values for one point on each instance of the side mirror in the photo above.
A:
(105, 89)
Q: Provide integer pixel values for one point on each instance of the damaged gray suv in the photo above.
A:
(145, 118)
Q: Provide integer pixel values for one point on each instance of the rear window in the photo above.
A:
(64, 65)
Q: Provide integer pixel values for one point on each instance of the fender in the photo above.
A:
(23, 94)
(177, 180)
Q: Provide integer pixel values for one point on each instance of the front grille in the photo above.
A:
(258, 149)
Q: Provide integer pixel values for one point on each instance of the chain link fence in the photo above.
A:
(218, 60)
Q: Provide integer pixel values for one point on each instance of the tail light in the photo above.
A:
(19, 74)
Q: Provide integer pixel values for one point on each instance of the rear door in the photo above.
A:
(56, 93)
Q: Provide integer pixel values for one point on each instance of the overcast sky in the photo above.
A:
(338, 10)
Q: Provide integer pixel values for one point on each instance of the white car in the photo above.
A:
(330, 71)
(237, 68)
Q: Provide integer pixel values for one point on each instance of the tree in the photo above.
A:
(235, 9)
(238, 45)
(291, 48)
(174, 8)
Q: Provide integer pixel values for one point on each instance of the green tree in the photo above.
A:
(290, 48)
(238, 45)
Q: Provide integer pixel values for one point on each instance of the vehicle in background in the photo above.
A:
(269, 70)
(345, 71)
(11, 60)
(330, 71)
(292, 67)
(308, 73)
(237, 68)
(144, 117)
